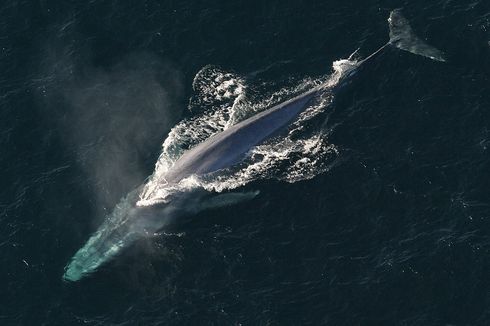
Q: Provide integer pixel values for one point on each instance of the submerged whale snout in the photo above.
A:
(126, 224)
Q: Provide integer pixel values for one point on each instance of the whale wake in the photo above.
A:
(300, 154)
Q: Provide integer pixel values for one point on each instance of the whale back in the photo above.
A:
(229, 147)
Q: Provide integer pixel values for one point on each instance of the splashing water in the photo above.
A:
(299, 155)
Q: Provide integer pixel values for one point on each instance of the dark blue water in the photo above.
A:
(395, 233)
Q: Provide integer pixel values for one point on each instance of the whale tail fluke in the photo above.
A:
(403, 37)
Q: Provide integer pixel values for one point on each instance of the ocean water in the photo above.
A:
(373, 210)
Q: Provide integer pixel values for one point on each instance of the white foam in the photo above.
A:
(221, 99)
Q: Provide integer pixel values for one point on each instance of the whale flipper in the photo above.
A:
(228, 199)
(403, 37)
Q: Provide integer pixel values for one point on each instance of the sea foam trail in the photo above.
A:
(223, 101)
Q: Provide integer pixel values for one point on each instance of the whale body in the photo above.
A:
(129, 222)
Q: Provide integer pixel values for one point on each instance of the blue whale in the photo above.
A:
(129, 222)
